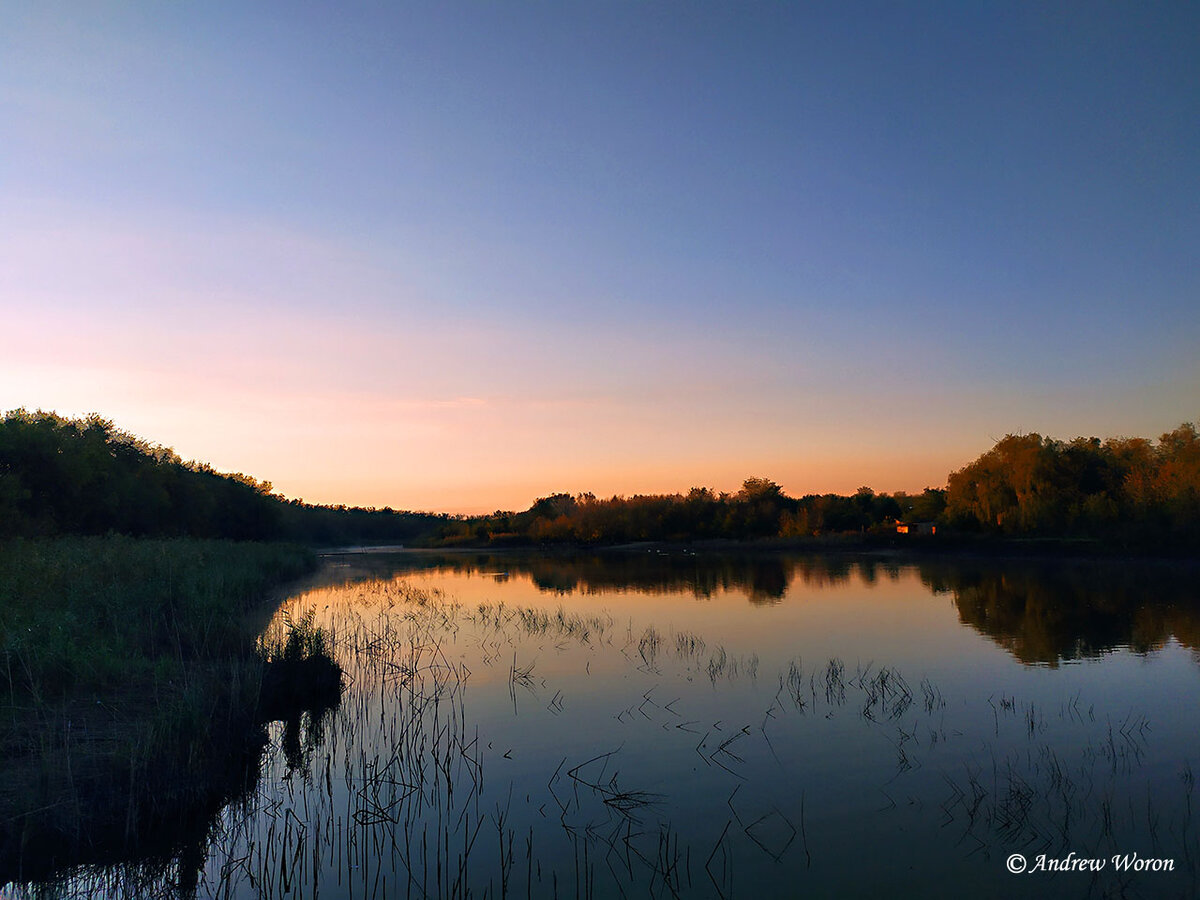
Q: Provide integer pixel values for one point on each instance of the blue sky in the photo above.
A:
(455, 256)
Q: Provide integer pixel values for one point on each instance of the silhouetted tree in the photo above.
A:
(84, 476)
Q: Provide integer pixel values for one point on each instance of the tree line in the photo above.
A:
(1127, 491)
(1131, 489)
(759, 510)
(85, 476)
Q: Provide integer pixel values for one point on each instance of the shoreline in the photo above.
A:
(880, 546)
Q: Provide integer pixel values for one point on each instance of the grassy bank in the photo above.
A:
(131, 681)
(96, 614)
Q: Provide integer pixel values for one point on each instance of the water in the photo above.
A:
(653, 724)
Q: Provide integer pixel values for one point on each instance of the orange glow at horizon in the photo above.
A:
(518, 493)
(470, 418)
(456, 455)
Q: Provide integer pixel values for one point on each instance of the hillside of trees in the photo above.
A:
(84, 476)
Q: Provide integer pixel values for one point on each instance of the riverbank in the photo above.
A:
(131, 680)
(950, 545)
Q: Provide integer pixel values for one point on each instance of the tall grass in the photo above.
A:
(93, 614)
(129, 687)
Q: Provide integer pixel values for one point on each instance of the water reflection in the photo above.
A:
(758, 722)
(644, 758)
(75, 810)
(149, 834)
(763, 578)
(1051, 613)
(1042, 612)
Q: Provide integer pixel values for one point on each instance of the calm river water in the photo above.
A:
(671, 724)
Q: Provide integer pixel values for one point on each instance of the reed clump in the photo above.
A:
(299, 669)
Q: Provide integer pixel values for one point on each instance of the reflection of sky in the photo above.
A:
(456, 257)
(663, 722)
(893, 622)
(893, 619)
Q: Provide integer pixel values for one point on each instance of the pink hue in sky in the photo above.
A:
(398, 406)
(456, 257)
(341, 410)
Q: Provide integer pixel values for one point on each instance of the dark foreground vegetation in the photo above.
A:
(1121, 493)
(85, 476)
(134, 689)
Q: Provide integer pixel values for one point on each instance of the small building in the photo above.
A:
(916, 528)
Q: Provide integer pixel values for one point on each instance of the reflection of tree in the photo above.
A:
(764, 577)
(827, 571)
(152, 819)
(140, 819)
(1043, 613)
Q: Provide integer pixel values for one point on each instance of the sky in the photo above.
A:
(455, 256)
